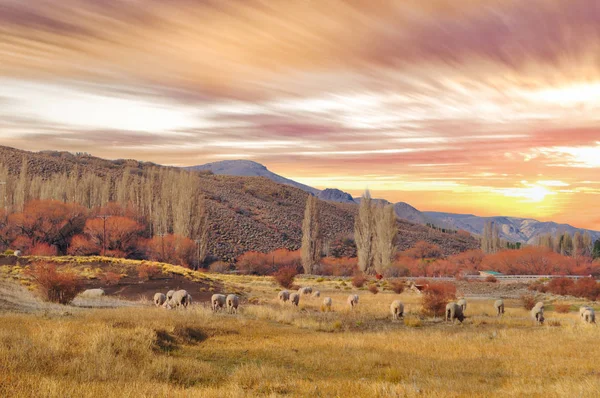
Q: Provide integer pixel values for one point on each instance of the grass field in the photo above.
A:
(275, 350)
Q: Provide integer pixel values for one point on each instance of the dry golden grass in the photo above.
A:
(279, 350)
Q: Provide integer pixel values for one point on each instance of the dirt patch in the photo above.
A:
(134, 289)
(488, 289)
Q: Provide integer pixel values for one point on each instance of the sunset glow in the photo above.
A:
(488, 107)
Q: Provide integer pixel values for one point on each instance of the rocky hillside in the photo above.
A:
(335, 195)
(246, 213)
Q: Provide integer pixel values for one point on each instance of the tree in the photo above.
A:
(490, 239)
(596, 250)
(364, 231)
(121, 233)
(311, 236)
(566, 244)
(386, 231)
(588, 244)
(578, 245)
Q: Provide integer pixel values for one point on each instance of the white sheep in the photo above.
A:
(499, 306)
(397, 309)
(92, 293)
(454, 311)
(582, 310)
(589, 315)
(283, 296)
(233, 302)
(463, 304)
(327, 302)
(159, 299)
(305, 290)
(295, 299)
(537, 313)
(181, 298)
(217, 301)
(352, 300)
(170, 294)
(316, 293)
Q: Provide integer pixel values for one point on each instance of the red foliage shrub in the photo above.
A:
(397, 286)
(122, 234)
(148, 271)
(561, 286)
(562, 308)
(82, 246)
(528, 301)
(491, 278)
(359, 279)
(285, 276)
(173, 249)
(219, 267)
(256, 263)
(378, 276)
(342, 247)
(338, 266)
(436, 296)
(423, 250)
(22, 243)
(373, 288)
(53, 285)
(587, 288)
(396, 270)
(110, 278)
(537, 286)
(43, 249)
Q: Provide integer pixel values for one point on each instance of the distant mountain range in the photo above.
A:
(524, 230)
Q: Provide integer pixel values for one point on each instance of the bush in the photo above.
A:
(587, 288)
(373, 288)
(491, 279)
(359, 279)
(285, 276)
(561, 286)
(537, 286)
(436, 296)
(397, 286)
(55, 286)
(219, 267)
(338, 266)
(9, 252)
(43, 249)
(110, 278)
(528, 301)
(562, 308)
(147, 271)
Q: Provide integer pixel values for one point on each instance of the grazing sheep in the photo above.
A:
(217, 301)
(582, 310)
(463, 304)
(316, 293)
(159, 299)
(539, 305)
(499, 306)
(454, 311)
(233, 302)
(537, 313)
(353, 300)
(170, 294)
(295, 299)
(589, 315)
(283, 296)
(327, 303)
(397, 309)
(181, 298)
(305, 290)
(92, 293)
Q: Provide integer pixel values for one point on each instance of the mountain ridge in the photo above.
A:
(514, 229)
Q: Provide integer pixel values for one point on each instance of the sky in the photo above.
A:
(489, 107)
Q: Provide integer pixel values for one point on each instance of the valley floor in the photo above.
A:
(271, 349)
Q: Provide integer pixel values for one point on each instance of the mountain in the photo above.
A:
(335, 195)
(248, 168)
(525, 230)
(409, 213)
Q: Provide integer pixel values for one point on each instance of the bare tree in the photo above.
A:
(312, 244)
(364, 231)
(386, 231)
